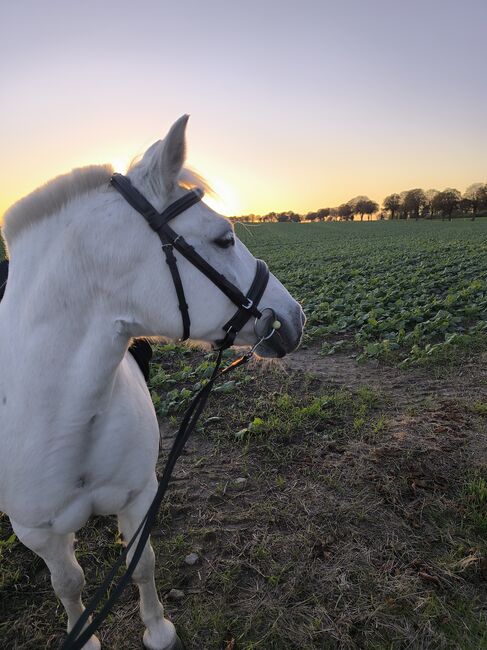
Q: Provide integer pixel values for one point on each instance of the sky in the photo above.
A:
(295, 105)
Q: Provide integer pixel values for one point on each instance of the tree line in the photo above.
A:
(410, 204)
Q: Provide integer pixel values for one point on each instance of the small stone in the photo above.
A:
(240, 481)
(175, 594)
(191, 559)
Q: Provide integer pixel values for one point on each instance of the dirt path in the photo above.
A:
(364, 508)
(407, 386)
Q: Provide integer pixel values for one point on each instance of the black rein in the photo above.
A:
(247, 307)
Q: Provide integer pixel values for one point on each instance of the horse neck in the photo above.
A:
(69, 334)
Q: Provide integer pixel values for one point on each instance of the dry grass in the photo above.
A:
(362, 524)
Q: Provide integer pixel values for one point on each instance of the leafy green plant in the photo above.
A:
(174, 381)
(403, 292)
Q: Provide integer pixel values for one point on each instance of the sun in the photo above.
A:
(224, 199)
(120, 164)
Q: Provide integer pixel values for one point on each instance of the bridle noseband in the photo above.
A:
(159, 222)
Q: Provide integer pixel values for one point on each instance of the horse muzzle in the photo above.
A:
(277, 336)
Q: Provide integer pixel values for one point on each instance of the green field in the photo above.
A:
(403, 291)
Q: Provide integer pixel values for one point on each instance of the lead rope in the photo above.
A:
(77, 637)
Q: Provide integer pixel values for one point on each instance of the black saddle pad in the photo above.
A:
(140, 349)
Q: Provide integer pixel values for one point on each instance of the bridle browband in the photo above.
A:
(265, 329)
(159, 222)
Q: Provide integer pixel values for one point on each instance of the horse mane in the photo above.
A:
(53, 196)
(58, 192)
(189, 179)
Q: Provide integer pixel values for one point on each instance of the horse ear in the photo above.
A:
(174, 153)
(158, 169)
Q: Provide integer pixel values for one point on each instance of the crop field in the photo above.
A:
(392, 290)
(336, 499)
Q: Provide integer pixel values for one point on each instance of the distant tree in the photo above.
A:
(323, 213)
(428, 210)
(475, 198)
(249, 218)
(392, 204)
(369, 208)
(345, 212)
(483, 198)
(356, 204)
(362, 205)
(414, 201)
(446, 201)
(403, 213)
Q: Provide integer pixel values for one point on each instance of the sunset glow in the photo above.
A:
(294, 106)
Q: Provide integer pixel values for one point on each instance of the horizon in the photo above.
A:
(334, 207)
(292, 110)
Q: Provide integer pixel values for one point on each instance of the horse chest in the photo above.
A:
(62, 492)
(56, 477)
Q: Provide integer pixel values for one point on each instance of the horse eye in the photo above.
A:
(225, 242)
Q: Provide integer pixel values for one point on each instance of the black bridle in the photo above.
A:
(265, 328)
(159, 222)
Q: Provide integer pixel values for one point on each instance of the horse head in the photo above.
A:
(152, 303)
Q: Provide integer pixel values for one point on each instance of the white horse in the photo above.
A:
(78, 432)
